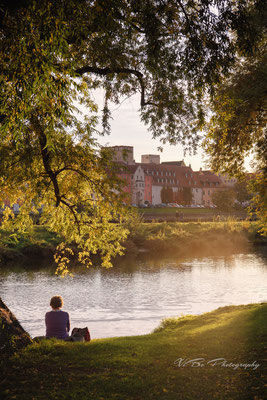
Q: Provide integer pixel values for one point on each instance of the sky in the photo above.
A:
(128, 130)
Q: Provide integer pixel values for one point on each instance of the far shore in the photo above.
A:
(154, 238)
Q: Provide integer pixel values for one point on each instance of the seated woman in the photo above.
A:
(57, 321)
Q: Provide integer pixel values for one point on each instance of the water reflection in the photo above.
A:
(133, 297)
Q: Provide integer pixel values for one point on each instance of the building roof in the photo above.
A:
(120, 146)
(171, 175)
(177, 163)
(132, 168)
(208, 178)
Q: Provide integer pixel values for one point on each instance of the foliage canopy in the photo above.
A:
(238, 124)
(54, 53)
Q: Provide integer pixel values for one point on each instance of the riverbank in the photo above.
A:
(152, 366)
(189, 214)
(195, 238)
(177, 238)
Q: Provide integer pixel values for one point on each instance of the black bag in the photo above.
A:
(80, 335)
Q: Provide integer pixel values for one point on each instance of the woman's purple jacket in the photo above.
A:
(57, 324)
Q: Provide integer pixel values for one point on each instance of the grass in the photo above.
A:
(39, 236)
(192, 237)
(150, 366)
(28, 247)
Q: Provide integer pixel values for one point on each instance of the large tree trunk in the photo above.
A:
(12, 336)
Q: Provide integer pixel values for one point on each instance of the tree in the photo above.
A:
(242, 191)
(166, 195)
(12, 336)
(223, 199)
(259, 201)
(178, 196)
(53, 54)
(238, 124)
(187, 195)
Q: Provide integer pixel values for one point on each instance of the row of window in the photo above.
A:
(167, 173)
(210, 184)
(165, 180)
(171, 181)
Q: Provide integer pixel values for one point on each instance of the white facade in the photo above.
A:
(138, 186)
(197, 196)
(156, 194)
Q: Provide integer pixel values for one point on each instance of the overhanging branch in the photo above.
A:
(46, 157)
(129, 71)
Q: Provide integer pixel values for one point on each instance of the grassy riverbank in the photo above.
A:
(179, 238)
(191, 211)
(151, 366)
(194, 238)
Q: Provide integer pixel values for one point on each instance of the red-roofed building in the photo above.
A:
(148, 181)
(210, 183)
(178, 178)
(148, 189)
(134, 181)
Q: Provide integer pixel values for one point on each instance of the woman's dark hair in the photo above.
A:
(56, 302)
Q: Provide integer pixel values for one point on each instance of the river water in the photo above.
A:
(132, 298)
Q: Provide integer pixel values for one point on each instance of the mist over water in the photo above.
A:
(132, 298)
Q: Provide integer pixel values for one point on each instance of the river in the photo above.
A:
(133, 297)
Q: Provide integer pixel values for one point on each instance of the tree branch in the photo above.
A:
(128, 71)
(46, 157)
(71, 208)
